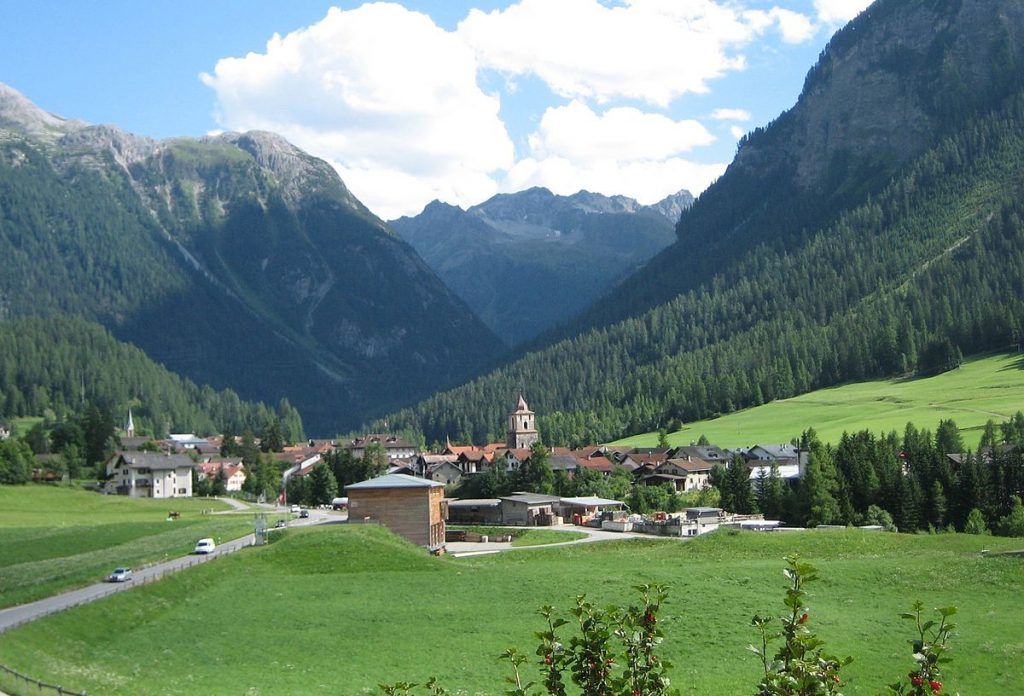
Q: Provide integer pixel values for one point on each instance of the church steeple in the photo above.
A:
(129, 426)
(522, 426)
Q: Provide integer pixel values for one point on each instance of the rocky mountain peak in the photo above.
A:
(17, 113)
(889, 81)
(672, 206)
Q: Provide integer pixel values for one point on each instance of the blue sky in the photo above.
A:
(437, 99)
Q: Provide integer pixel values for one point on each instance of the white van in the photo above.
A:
(205, 546)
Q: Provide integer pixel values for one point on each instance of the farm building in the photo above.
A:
(409, 506)
(529, 509)
(475, 511)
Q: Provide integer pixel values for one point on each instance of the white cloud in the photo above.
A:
(652, 50)
(621, 151)
(384, 94)
(736, 132)
(741, 115)
(794, 27)
(839, 11)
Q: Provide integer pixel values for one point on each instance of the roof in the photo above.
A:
(382, 439)
(474, 502)
(563, 462)
(690, 464)
(436, 458)
(394, 481)
(786, 471)
(531, 498)
(705, 452)
(591, 501)
(521, 407)
(156, 460)
(783, 451)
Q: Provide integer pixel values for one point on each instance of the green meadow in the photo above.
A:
(339, 609)
(990, 387)
(55, 538)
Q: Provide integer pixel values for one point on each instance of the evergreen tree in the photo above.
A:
(323, 487)
(976, 523)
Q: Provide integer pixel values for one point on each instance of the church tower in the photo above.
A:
(129, 427)
(522, 426)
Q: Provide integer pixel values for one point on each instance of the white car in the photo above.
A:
(205, 546)
(295, 509)
(120, 575)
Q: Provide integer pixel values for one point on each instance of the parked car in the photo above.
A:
(295, 509)
(303, 513)
(205, 546)
(339, 503)
(281, 523)
(120, 575)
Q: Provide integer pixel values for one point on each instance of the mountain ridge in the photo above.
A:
(530, 260)
(257, 247)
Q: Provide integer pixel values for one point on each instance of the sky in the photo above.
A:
(418, 100)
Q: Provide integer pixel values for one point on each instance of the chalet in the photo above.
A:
(510, 459)
(150, 475)
(233, 468)
(528, 509)
(564, 462)
(695, 473)
(771, 453)
(5, 431)
(475, 462)
(394, 447)
(444, 472)
(708, 453)
(411, 507)
(475, 511)
(423, 462)
(182, 442)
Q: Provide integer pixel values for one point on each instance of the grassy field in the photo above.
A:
(55, 538)
(336, 610)
(982, 388)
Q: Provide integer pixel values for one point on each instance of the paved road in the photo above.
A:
(462, 549)
(21, 614)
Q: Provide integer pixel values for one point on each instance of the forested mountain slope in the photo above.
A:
(821, 273)
(237, 260)
(60, 364)
(526, 262)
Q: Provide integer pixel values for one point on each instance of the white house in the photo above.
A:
(150, 475)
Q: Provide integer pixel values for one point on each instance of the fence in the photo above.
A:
(30, 685)
(24, 685)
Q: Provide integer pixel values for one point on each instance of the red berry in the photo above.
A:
(803, 619)
(916, 680)
(936, 685)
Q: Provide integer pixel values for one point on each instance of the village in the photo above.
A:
(417, 494)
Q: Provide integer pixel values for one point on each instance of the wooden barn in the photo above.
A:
(409, 506)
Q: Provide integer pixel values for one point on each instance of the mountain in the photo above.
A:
(235, 260)
(59, 363)
(873, 229)
(526, 262)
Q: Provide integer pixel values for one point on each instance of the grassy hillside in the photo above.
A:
(340, 609)
(990, 387)
(54, 539)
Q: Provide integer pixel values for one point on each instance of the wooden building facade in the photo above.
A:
(409, 506)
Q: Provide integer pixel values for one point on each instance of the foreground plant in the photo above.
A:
(929, 647)
(800, 667)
